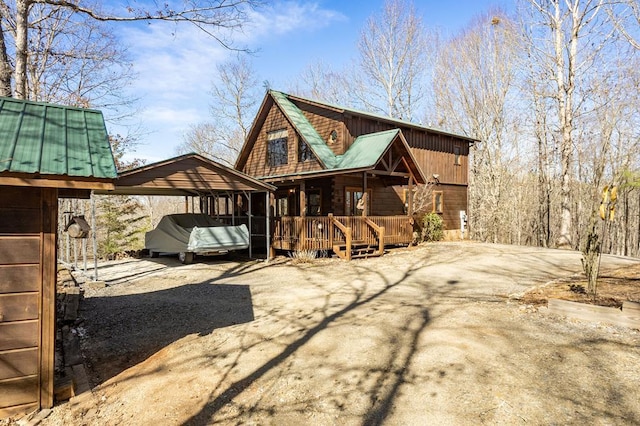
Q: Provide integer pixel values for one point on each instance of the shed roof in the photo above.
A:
(189, 174)
(53, 140)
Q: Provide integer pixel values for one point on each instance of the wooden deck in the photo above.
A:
(347, 236)
(341, 233)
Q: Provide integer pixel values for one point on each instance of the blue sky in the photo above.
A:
(176, 65)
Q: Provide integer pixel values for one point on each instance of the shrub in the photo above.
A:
(432, 227)
(303, 256)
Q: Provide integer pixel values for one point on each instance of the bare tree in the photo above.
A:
(567, 26)
(235, 97)
(319, 81)
(214, 17)
(625, 16)
(75, 60)
(393, 48)
(474, 88)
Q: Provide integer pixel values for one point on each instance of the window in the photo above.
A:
(287, 202)
(352, 201)
(314, 202)
(277, 152)
(456, 155)
(304, 152)
(437, 202)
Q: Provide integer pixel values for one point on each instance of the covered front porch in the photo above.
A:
(352, 214)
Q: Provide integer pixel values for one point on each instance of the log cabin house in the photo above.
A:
(46, 152)
(351, 181)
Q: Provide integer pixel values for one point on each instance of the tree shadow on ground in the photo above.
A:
(388, 377)
(133, 327)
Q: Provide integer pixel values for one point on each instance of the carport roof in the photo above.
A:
(189, 174)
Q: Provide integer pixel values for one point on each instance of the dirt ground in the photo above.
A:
(436, 334)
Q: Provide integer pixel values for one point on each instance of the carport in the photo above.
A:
(222, 192)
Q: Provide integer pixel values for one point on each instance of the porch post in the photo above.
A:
(303, 199)
(267, 222)
(410, 197)
(248, 195)
(272, 205)
(302, 237)
(364, 194)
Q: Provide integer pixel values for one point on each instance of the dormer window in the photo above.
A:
(333, 137)
(304, 152)
(277, 148)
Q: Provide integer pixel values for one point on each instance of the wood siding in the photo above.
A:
(187, 174)
(434, 152)
(27, 298)
(385, 200)
(257, 162)
(326, 121)
(454, 200)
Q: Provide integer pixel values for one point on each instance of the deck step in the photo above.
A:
(358, 250)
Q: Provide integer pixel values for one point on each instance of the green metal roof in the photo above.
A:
(364, 153)
(53, 140)
(305, 129)
(366, 150)
(399, 122)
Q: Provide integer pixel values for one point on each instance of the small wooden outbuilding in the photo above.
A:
(46, 152)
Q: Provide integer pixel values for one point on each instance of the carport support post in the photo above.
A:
(93, 236)
(248, 195)
(267, 203)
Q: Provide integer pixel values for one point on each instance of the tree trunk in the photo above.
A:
(5, 66)
(22, 48)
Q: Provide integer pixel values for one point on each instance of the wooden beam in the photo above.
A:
(303, 199)
(56, 183)
(48, 306)
(364, 194)
(410, 197)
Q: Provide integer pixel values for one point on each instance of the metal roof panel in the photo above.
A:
(52, 139)
(305, 129)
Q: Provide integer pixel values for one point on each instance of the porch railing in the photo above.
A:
(324, 232)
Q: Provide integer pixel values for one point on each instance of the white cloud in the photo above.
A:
(177, 64)
(285, 17)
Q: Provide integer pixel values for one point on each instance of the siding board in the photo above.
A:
(19, 306)
(18, 391)
(19, 250)
(17, 335)
(19, 278)
(20, 362)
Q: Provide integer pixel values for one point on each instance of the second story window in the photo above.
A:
(304, 152)
(277, 148)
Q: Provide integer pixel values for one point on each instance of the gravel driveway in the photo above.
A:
(428, 335)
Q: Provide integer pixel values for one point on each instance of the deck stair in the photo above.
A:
(359, 249)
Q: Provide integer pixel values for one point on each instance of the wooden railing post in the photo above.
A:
(381, 241)
(331, 224)
(348, 238)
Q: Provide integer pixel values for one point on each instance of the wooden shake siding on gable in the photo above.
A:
(257, 164)
(325, 121)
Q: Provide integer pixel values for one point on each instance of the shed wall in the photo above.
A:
(27, 297)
